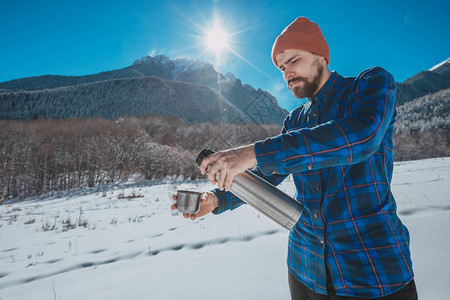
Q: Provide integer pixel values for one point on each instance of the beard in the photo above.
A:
(309, 87)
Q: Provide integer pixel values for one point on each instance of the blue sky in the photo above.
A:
(85, 37)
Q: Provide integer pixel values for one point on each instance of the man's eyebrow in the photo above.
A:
(288, 61)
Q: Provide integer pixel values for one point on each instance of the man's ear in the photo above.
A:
(322, 60)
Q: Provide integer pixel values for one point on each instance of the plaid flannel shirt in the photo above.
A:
(338, 147)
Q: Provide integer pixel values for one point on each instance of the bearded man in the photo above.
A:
(349, 242)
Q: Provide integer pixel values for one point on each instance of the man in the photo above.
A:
(349, 242)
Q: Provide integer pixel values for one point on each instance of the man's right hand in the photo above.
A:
(208, 203)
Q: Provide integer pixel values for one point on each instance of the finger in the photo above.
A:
(205, 201)
(175, 197)
(222, 177)
(228, 182)
(173, 207)
(205, 163)
(193, 217)
(186, 216)
(212, 173)
(210, 197)
(208, 161)
(203, 166)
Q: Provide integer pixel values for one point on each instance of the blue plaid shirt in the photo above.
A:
(338, 147)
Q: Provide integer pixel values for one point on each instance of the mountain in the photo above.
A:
(427, 113)
(158, 66)
(121, 97)
(423, 128)
(53, 96)
(184, 88)
(424, 83)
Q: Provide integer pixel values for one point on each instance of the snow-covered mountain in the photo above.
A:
(258, 105)
(423, 83)
(176, 66)
(157, 66)
(441, 65)
(151, 85)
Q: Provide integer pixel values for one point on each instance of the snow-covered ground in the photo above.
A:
(139, 249)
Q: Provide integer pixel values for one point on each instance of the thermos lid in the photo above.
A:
(202, 155)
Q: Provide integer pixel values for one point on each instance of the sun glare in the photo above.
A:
(216, 39)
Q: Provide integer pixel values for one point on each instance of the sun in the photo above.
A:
(216, 39)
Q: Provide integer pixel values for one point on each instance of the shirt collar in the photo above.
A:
(323, 92)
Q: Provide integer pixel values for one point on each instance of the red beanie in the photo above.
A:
(304, 35)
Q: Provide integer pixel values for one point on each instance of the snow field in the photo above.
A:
(139, 249)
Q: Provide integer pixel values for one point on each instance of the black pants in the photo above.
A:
(300, 292)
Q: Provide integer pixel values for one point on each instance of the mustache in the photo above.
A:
(295, 79)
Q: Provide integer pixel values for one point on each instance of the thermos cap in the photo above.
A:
(202, 155)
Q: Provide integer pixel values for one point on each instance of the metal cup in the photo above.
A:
(188, 202)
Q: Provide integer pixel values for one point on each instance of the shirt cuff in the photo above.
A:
(227, 201)
(223, 201)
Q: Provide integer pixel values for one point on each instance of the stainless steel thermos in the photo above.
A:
(263, 196)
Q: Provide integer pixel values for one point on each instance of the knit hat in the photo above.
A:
(304, 35)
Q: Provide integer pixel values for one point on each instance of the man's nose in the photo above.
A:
(288, 74)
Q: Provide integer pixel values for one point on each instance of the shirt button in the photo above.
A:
(318, 188)
(314, 115)
(309, 167)
(315, 215)
(321, 241)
